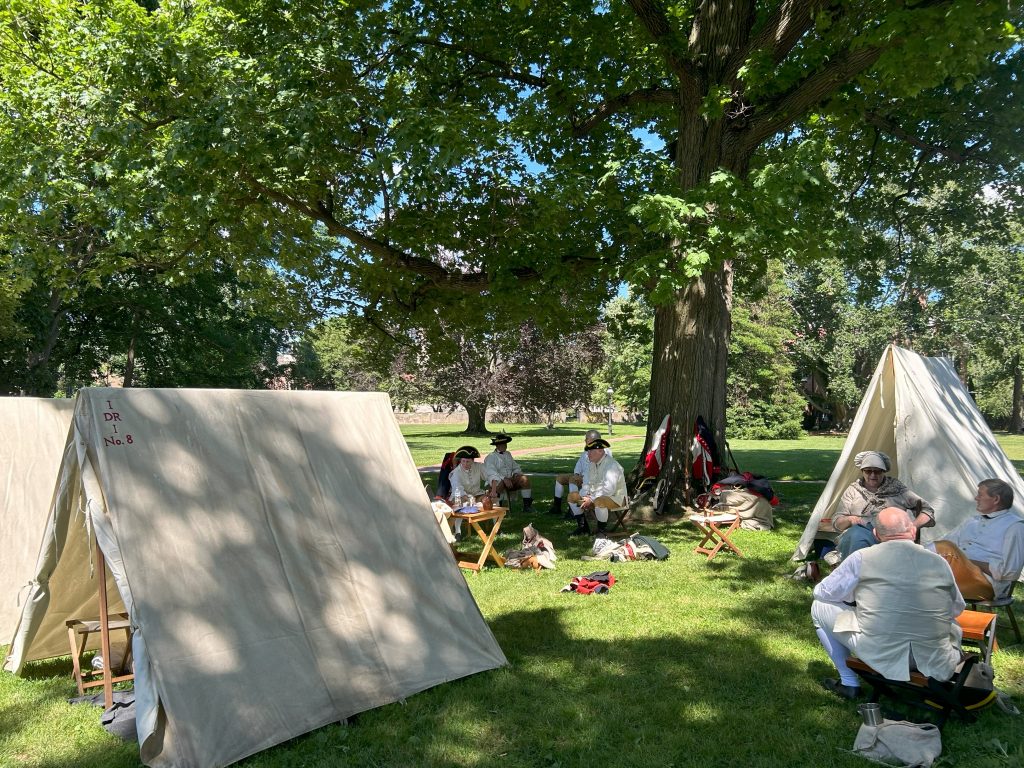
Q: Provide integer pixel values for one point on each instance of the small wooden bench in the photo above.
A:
(940, 698)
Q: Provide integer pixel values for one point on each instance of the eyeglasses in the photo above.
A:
(873, 471)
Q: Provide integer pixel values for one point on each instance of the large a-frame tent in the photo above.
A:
(33, 432)
(917, 411)
(276, 553)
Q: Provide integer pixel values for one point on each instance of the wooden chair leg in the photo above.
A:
(76, 658)
(1013, 621)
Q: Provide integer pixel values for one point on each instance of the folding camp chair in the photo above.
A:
(621, 513)
(616, 514)
(716, 535)
(505, 497)
(979, 630)
(1006, 603)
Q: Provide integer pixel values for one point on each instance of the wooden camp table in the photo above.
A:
(714, 534)
(495, 515)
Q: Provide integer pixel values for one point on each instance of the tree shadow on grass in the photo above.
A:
(662, 699)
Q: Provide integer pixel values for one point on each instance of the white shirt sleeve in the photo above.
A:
(581, 465)
(1012, 562)
(492, 468)
(840, 585)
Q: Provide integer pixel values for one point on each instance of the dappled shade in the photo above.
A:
(277, 554)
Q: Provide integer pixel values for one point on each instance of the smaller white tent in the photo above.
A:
(275, 551)
(917, 411)
(33, 432)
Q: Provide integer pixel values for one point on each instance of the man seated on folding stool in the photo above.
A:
(504, 473)
(986, 551)
(604, 487)
(894, 604)
(574, 479)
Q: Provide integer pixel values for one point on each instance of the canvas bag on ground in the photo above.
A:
(899, 742)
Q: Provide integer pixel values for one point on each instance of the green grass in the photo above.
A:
(429, 442)
(684, 663)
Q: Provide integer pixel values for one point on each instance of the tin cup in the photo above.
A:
(871, 712)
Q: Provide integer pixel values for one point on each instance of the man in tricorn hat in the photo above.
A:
(504, 472)
(574, 479)
(467, 479)
(604, 487)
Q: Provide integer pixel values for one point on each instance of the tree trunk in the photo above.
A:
(691, 348)
(39, 362)
(129, 366)
(1016, 424)
(477, 412)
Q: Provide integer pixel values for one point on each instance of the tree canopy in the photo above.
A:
(403, 160)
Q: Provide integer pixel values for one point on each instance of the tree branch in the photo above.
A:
(610, 106)
(888, 126)
(504, 70)
(813, 89)
(468, 282)
(654, 20)
(152, 125)
(783, 30)
(867, 169)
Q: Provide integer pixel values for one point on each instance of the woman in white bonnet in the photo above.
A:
(869, 495)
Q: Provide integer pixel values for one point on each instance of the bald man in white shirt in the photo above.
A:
(895, 604)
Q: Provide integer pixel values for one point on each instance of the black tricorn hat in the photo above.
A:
(501, 437)
(598, 443)
(467, 452)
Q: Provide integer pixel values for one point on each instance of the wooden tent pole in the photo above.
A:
(108, 682)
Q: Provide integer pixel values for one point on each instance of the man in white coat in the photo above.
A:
(894, 604)
(467, 480)
(604, 487)
(501, 471)
(573, 479)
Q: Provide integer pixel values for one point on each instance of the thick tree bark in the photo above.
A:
(1016, 421)
(691, 347)
(477, 412)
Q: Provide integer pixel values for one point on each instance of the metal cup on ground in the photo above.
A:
(871, 712)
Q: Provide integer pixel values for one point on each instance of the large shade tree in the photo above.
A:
(720, 85)
(527, 152)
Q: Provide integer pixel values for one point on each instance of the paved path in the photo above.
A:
(541, 449)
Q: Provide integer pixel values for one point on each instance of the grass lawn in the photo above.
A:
(684, 663)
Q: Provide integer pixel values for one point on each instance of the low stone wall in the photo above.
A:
(431, 418)
(493, 417)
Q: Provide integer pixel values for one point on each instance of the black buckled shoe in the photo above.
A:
(848, 692)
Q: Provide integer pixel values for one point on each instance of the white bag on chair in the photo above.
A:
(899, 742)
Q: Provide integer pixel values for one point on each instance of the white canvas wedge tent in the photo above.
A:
(917, 411)
(33, 432)
(276, 553)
